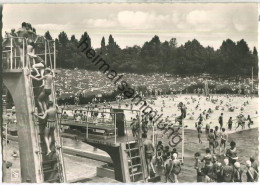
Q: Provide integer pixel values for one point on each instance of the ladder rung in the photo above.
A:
(135, 157)
(47, 171)
(138, 173)
(131, 149)
(51, 180)
(135, 165)
(49, 161)
(131, 142)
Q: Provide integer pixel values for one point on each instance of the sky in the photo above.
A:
(133, 24)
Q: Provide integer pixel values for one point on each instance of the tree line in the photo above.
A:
(232, 58)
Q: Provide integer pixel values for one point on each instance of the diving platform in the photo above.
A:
(113, 137)
(36, 166)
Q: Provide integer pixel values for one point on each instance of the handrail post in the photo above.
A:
(23, 53)
(182, 147)
(45, 54)
(14, 57)
(11, 65)
(115, 126)
(54, 55)
(87, 126)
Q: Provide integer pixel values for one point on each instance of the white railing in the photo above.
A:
(15, 53)
(89, 120)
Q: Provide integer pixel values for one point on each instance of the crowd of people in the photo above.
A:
(75, 82)
(210, 167)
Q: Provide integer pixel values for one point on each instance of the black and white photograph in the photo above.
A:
(129, 92)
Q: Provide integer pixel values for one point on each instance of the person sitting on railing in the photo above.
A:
(51, 116)
(46, 91)
(39, 65)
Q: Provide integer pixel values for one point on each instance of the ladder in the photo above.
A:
(57, 136)
(135, 160)
(51, 167)
(38, 150)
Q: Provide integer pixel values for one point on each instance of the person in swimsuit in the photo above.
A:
(51, 117)
(211, 139)
(230, 122)
(134, 127)
(250, 122)
(220, 120)
(22, 33)
(32, 39)
(224, 138)
(231, 153)
(176, 168)
(39, 64)
(198, 167)
(207, 170)
(199, 129)
(149, 150)
(44, 95)
(168, 166)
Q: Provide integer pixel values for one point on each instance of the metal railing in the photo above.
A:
(89, 119)
(15, 54)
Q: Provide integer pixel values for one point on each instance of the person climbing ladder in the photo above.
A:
(51, 118)
(46, 91)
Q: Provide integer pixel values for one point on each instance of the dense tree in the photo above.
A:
(103, 45)
(191, 58)
(255, 51)
(48, 36)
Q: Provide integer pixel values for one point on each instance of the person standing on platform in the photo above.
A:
(51, 117)
(134, 126)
